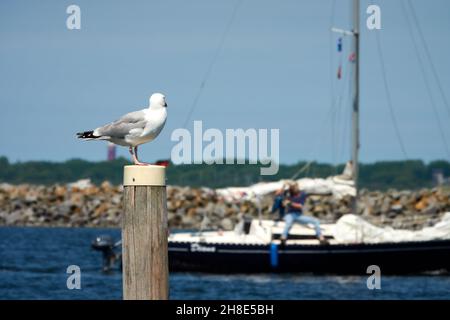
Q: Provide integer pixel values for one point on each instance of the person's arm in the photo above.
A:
(297, 202)
(295, 205)
(281, 190)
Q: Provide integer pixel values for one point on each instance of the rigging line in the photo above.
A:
(425, 78)
(343, 122)
(388, 96)
(314, 149)
(340, 114)
(321, 132)
(332, 94)
(212, 62)
(430, 60)
(331, 111)
(302, 169)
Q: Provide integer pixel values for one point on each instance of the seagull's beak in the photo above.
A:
(165, 104)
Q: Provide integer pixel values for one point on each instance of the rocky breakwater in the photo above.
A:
(73, 205)
(83, 204)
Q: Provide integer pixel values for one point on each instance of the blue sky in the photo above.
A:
(273, 72)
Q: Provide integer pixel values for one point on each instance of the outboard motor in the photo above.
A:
(106, 246)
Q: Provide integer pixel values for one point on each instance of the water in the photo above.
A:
(33, 263)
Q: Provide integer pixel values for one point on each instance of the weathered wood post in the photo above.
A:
(144, 234)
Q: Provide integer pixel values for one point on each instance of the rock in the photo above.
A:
(60, 191)
(386, 205)
(81, 184)
(13, 217)
(219, 210)
(227, 224)
(192, 212)
(422, 204)
(106, 186)
(431, 209)
(6, 187)
(188, 222)
(206, 223)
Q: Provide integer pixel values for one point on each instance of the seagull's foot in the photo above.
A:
(138, 163)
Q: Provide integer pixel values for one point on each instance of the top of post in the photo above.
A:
(150, 175)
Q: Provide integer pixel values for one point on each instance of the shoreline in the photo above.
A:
(83, 204)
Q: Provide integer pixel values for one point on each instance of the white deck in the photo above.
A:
(260, 233)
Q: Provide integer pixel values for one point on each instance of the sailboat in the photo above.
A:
(254, 246)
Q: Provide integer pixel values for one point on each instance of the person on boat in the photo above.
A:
(293, 204)
(278, 204)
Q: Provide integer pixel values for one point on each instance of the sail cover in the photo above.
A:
(329, 186)
(353, 229)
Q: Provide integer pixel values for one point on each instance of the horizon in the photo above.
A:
(122, 157)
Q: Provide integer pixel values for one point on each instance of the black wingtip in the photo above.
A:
(86, 135)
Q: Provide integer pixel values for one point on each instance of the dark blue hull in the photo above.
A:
(392, 258)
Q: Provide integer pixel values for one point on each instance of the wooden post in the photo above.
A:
(144, 234)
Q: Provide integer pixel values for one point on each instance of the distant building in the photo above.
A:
(111, 151)
(438, 177)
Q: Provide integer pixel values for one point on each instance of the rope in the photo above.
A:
(388, 96)
(425, 78)
(342, 122)
(321, 132)
(335, 107)
(427, 52)
(332, 77)
(307, 165)
(213, 61)
(302, 169)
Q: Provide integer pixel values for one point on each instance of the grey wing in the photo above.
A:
(129, 123)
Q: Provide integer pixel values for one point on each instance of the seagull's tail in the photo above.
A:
(88, 135)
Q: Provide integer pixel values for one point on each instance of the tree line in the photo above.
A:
(382, 175)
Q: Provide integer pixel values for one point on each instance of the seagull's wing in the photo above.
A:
(131, 123)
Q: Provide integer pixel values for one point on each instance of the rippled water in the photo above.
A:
(33, 264)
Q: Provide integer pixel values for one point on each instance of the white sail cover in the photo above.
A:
(332, 185)
(353, 229)
(337, 186)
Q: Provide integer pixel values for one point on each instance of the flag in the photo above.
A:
(352, 57)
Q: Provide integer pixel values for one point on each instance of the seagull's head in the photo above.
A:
(158, 99)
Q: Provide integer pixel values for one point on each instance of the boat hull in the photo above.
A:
(392, 258)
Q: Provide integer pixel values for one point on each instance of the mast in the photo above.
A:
(355, 103)
(354, 33)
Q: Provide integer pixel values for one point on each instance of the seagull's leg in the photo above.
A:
(133, 155)
(136, 160)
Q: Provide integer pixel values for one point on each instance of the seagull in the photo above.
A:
(134, 128)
